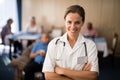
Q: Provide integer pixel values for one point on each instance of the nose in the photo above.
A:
(72, 25)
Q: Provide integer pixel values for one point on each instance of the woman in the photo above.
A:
(71, 57)
(32, 28)
(90, 32)
(6, 31)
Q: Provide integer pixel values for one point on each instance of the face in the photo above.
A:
(32, 23)
(45, 38)
(10, 22)
(73, 23)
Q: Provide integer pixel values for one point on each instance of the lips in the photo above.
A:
(73, 30)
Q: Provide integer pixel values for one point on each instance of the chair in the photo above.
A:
(1, 47)
(4, 49)
(20, 63)
(112, 51)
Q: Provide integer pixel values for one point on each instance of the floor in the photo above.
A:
(109, 72)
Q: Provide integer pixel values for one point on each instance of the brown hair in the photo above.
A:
(76, 9)
(9, 20)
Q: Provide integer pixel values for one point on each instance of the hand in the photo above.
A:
(41, 53)
(59, 70)
(38, 52)
(87, 67)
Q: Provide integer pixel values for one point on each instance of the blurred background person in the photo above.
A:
(90, 32)
(6, 30)
(32, 28)
(38, 55)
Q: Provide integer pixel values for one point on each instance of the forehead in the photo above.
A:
(45, 35)
(73, 16)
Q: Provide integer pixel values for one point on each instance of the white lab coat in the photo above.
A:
(71, 58)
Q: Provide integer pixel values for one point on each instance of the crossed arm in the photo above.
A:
(67, 74)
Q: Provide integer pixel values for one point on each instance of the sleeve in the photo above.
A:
(34, 47)
(3, 34)
(49, 62)
(92, 56)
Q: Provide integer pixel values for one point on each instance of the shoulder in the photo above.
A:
(4, 27)
(38, 42)
(53, 41)
(89, 42)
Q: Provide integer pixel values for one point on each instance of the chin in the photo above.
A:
(73, 34)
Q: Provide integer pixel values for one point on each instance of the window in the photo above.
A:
(8, 9)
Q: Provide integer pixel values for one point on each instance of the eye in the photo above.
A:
(69, 22)
(77, 22)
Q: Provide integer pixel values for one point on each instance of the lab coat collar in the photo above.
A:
(80, 39)
(64, 38)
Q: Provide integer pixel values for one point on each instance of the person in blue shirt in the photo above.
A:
(38, 53)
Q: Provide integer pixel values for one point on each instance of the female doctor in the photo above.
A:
(71, 57)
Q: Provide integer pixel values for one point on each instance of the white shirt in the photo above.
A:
(32, 29)
(74, 58)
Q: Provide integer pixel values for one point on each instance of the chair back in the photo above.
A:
(114, 42)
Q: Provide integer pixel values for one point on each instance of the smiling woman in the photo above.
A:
(72, 53)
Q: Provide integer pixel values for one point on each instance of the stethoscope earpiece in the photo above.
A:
(60, 41)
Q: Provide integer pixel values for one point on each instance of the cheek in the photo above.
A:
(80, 26)
(67, 26)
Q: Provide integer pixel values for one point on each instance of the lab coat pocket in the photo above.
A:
(80, 62)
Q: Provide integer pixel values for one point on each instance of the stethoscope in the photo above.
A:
(58, 40)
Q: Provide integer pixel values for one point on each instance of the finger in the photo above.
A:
(84, 67)
(55, 68)
(87, 67)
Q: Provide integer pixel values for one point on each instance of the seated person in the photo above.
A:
(6, 30)
(38, 55)
(32, 28)
(90, 32)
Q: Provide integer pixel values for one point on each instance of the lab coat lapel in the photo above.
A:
(79, 43)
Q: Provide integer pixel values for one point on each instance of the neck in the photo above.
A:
(72, 40)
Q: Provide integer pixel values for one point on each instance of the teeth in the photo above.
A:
(73, 30)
